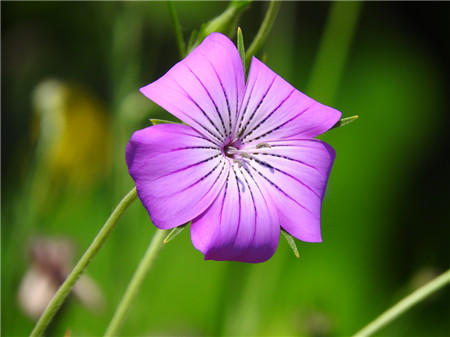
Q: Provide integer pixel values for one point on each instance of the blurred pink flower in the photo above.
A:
(246, 164)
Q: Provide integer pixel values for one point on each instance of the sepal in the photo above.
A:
(345, 121)
(162, 121)
(240, 45)
(291, 242)
(174, 232)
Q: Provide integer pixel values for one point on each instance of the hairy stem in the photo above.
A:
(82, 264)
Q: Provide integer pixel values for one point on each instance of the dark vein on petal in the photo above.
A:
(196, 147)
(226, 98)
(223, 167)
(237, 99)
(278, 127)
(205, 176)
(215, 181)
(203, 138)
(224, 196)
(246, 106)
(190, 166)
(254, 204)
(269, 115)
(213, 102)
(266, 164)
(200, 124)
(257, 185)
(287, 158)
(240, 206)
(279, 189)
(258, 106)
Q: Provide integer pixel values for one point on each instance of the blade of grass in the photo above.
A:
(177, 28)
(263, 31)
(333, 50)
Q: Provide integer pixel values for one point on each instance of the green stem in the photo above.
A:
(333, 50)
(135, 283)
(405, 304)
(85, 260)
(264, 30)
(177, 27)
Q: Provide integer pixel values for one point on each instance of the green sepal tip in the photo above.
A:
(161, 121)
(291, 242)
(174, 232)
(345, 121)
(240, 45)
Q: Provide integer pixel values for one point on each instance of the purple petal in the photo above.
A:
(205, 89)
(178, 172)
(295, 174)
(241, 225)
(273, 109)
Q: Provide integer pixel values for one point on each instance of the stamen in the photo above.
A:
(261, 145)
(238, 162)
(230, 150)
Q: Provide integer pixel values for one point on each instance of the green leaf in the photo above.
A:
(174, 232)
(291, 242)
(240, 45)
(345, 121)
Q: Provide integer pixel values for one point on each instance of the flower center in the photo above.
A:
(231, 150)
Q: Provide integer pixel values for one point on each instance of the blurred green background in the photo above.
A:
(70, 78)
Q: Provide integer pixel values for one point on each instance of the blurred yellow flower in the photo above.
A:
(74, 145)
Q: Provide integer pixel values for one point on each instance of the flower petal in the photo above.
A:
(177, 171)
(241, 225)
(295, 174)
(205, 89)
(273, 109)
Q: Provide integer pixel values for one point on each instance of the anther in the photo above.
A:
(238, 162)
(230, 150)
(261, 145)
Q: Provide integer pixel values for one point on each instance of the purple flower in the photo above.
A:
(246, 164)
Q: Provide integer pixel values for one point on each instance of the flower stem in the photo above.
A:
(177, 28)
(135, 283)
(70, 281)
(405, 304)
(264, 30)
(333, 50)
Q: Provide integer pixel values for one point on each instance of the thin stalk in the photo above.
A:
(264, 30)
(82, 264)
(135, 283)
(177, 28)
(405, 304)
(333, 50)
